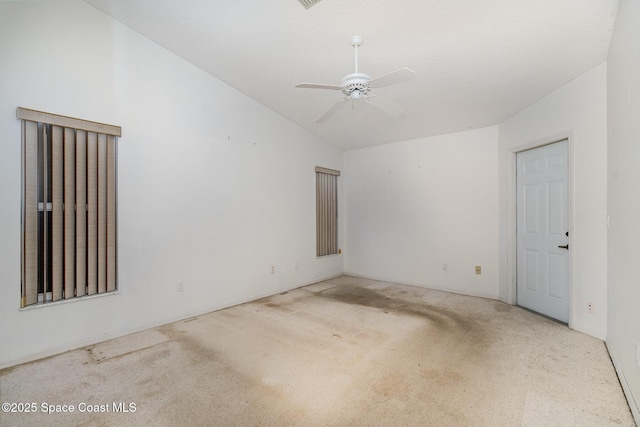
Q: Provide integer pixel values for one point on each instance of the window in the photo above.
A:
(68, 207)
(326, 211)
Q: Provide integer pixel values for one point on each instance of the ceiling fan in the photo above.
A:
(356, 86)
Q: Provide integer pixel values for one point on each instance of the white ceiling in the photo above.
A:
(478, 61)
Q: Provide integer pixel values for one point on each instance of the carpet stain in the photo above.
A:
(501, 307)
(441, 319)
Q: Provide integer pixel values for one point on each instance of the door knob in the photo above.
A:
(564, 246)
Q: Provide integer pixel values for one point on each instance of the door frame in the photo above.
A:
(512, 203)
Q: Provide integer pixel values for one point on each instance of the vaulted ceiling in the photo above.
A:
(477, 62)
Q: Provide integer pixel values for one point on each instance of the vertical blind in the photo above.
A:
(69, 207)
(326, 211)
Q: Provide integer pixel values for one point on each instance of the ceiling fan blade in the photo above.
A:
(318, 86)
(385, 105)
(335, 107)
(397, 76)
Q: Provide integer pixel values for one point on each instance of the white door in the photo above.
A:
(543, 230)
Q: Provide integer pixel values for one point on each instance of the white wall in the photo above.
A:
(414, 205)
(578, 110)
(213, 187)
(623, 72)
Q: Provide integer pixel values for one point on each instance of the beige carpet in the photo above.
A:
(346, 351)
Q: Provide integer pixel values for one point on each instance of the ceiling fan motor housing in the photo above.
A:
(356, 82)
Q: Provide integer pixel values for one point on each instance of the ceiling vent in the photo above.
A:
(308, 3)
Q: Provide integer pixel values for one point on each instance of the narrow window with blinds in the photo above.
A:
(68, 207)
(326, 211)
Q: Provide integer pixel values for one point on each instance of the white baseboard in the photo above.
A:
(422, 285)
(52, 351)
(635, 410)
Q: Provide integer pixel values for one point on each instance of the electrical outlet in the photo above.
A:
(180, 287)
(273, 269)
(478, 269)
(445, 267)
(590, 308)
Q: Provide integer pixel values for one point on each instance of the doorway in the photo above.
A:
(542, 237)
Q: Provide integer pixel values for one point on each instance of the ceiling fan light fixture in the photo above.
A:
(356, 82)
(308, 3)
(357, 85)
